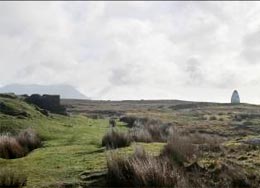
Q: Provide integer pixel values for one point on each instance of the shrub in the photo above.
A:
(9, 178)
(14, 147)
(146, 129)
(29, 139)
(130, 120)
(152, 130)
(180, 149)
(169, 169)
(10, 147)
(207, 142)
(212, 118)
(140, 135)
(159, 132)
(140, 170)
(115, 139)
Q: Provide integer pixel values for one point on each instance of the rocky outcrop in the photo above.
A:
(47, 102)
(235, 98)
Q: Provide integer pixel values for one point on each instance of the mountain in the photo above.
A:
(65, 91)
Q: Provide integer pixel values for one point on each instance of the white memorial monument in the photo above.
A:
(235, 98)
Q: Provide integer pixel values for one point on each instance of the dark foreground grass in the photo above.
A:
(10, 178)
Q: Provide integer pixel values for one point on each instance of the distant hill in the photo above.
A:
(65, 91)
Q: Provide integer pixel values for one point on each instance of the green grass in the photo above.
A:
(71, 145)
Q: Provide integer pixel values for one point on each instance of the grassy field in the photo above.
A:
(237, 126)
(71, 145)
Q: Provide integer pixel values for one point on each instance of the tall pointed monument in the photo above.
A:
(235, 97)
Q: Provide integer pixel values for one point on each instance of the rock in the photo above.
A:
(235, 97)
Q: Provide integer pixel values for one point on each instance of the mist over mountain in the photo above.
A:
(65, 91)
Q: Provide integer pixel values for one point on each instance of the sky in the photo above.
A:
(198, 51)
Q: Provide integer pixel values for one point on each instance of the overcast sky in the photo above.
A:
(198, 51)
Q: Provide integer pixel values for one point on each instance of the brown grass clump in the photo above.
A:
(9, 178)
(10, 148)
(207, 142)
(180, 149)
(159, 132)
(14, 147)
(140, 170)
(140, 135)
(177, 166)
(115, 139)
(29, 139)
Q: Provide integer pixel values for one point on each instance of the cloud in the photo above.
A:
(133, 50)
(193, 69)
(251, 43)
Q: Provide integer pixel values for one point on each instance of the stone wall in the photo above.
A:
(47, 102)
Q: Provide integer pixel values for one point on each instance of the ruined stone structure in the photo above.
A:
(235, 97)
(47, 102)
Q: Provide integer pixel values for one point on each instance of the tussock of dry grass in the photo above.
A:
(180, 149)
(207, 142)
(115, 139)
(148, 130)
(140, 170)
(29, 139)
(15, 147)
(140, 135)
(10, 148)
(168, 169)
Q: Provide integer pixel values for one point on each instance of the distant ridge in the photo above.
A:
(65, 91)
